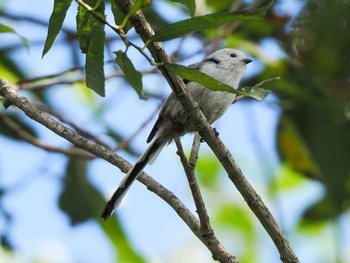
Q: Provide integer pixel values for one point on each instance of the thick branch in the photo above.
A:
(143, 28)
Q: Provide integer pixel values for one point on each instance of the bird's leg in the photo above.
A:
(216, 134)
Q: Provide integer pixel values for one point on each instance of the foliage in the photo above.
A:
(312, 136)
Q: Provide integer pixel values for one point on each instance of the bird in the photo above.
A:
(225, 65)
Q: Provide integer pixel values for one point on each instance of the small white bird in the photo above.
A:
(226, 65)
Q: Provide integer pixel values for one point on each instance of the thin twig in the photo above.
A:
(206, 230)
(50, 76)
(258, 85)
(115, 28)
(54, 82)
(78, 129)
(18, 131)
(126, 142)
(34, 20)
(189, 167)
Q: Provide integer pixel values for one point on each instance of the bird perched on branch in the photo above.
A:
(225, 65)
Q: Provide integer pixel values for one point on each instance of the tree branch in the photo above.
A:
(16, 130)
(189, 167)
(9, 92)
(43, 82)
(145, 31)
(206, 229)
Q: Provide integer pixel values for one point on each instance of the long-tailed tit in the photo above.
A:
(226, 65)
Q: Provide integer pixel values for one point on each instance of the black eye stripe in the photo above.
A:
(214, 60)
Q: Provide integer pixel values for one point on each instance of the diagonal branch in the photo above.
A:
(9, 92)
(204, 218)
(145, 31)
(189, 167)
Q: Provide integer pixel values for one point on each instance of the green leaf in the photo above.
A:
(323, 210)
(133, 76)
(57, 17)
(154, 17)
(190, 5)
(138, 4)
(95, 79)
(91, 38)
(208, 168)
(234, 216)
(79, 199)
(254, 92)
(7, 29)
(84, 21)
(115, 232)
(213, 84)
(119, 17)
(231, 218)
(286, 179)
(218, 5)
(184, 27)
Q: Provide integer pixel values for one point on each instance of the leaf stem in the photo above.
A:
(118, 29)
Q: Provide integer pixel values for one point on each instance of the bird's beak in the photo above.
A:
(247, 60)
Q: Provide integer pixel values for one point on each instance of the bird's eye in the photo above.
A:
(233, 55)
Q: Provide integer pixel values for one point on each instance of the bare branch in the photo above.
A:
(16, 130)
(44, 82)
(189, 167)
(78, 129)
(9, 92)
(126, 142)
(143, 28)
(207, 232)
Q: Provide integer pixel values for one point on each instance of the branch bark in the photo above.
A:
(9, 92)
(189, 168)
(145, 31)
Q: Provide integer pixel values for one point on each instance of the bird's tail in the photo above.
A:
(151, 152)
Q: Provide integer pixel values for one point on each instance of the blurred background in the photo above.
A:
(294, 146)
